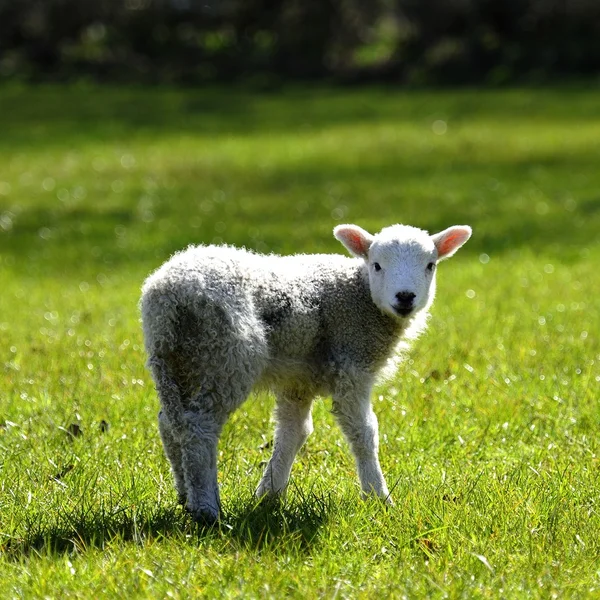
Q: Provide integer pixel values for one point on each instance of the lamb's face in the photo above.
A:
(401, 263)
(402, 272)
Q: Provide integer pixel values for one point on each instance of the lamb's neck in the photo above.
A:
(386, 328)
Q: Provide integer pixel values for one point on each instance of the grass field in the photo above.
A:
(489, 432)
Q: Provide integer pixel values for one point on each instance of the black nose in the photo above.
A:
(405, 299)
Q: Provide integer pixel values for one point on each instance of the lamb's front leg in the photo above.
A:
(354, 414)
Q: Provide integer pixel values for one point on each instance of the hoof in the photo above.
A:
(265, 490)
(269, 499)
(373, 496)
(206, 516)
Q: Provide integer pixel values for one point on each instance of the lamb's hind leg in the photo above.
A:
(203, 420)
(172, 447)
(169, 426)
(293, 426)
(190, 432)
(199, 441)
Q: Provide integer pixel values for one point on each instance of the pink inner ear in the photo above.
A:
(450, 242)
(357, 241)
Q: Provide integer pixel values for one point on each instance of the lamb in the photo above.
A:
(220, 321)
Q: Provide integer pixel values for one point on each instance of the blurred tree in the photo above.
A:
(471, 40)
(200, 40)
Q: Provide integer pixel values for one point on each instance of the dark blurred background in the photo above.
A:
(268, 41)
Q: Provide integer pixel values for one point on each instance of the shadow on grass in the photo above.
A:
(252, 525)
(273, 523)
(79, 532)
(73, 115)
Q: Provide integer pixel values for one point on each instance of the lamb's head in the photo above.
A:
(401, 263)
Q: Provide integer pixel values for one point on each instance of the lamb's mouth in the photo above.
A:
(403, 311)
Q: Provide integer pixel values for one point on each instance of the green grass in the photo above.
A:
(489, 432)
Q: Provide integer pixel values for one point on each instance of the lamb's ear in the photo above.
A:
(357, 240)
(450, 240)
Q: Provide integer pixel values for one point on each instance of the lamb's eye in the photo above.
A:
(431, 266)
(377, 266)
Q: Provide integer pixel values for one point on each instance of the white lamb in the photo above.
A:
(220, 321)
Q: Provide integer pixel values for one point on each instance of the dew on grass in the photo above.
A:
(79, 193)
(339, 212)
(128, 161)
(484, 259)
(25, 178)
(48, 184)
(6, 221)
(470, 294)
(45, 233)
(117, 186)
(537, 277)
(549, 268)
(439, 127)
